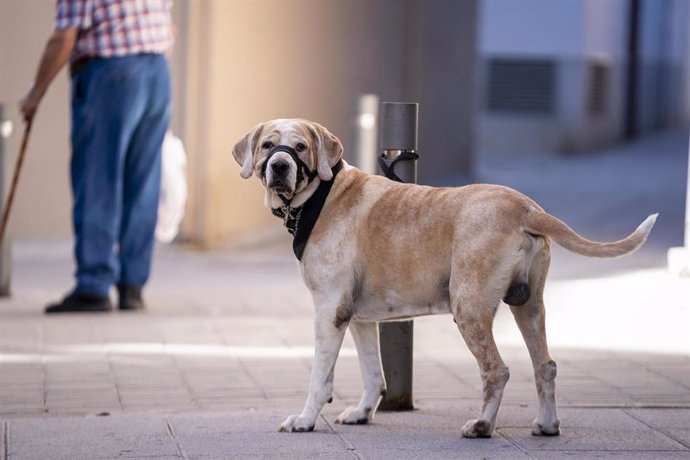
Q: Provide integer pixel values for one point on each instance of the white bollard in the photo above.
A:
(366, 133)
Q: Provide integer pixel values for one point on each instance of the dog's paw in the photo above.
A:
(546, 429)
(295, 423)
(477, 429)
(354, 416)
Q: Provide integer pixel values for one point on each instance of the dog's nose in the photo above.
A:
(279, 167)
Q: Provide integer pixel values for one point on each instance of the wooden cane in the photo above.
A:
(15, 180)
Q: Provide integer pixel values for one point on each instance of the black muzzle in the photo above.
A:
(302, 168)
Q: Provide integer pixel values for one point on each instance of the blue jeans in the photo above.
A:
(120, 113)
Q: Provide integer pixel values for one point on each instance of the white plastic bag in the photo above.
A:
(173, 196)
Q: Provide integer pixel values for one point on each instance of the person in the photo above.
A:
(120, 98)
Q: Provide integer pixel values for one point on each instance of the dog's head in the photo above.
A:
(286, 154)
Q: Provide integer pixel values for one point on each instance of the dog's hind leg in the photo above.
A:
(329, 333)
(530, 320)
(366, 337)
(474, 313)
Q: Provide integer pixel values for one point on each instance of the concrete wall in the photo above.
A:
(664, 59)
(248, 61)
(42, 204)
(605, 29)
(573, 34)
(240, 62)
(508, 27)
(441, 76)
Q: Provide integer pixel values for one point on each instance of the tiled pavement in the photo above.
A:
(222, 356)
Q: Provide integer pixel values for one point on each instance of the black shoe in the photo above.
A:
(76, 302)
(130, 297)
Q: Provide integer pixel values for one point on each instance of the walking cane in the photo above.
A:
(15, 180)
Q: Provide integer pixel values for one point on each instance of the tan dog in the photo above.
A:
(381, 250)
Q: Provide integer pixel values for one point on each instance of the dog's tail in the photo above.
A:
(541, 223)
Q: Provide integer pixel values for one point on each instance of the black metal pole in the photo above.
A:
(399, 127)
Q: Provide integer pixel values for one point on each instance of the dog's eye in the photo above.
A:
(267, 145)
(300, 147)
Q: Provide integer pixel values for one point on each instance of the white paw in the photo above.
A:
(355, 416)
(295, 423)
(477, 429)
(546, 429)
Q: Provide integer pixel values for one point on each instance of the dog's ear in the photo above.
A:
(243, 151)
(328, 150)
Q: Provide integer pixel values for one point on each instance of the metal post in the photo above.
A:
(5, 266)
(398, 136)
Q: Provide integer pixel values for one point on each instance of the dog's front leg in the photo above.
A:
(366, 336)
(328, 338)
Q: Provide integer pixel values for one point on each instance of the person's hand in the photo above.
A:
(29, 103)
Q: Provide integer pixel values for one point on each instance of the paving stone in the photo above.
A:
(90, 437)
(603, 438)
(422, 435)
(607, 454)
(521, 417)
(663, 418)
(682, 435)
(242, 435)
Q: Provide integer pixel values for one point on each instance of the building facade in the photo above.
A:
(577, 75)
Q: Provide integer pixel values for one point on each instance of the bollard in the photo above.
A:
(366, 130)
(5, 133)
(398, 162)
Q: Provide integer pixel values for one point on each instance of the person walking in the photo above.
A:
(120, 97)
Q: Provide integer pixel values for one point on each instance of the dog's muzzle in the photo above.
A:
(281, 167)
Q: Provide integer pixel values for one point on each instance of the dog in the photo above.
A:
(371, 249)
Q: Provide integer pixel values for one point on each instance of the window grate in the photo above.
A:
(522, 85)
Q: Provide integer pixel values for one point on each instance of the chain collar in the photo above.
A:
(300, 221)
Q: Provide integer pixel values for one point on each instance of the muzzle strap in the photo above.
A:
(302, 168)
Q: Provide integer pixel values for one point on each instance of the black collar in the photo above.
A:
(300, 221)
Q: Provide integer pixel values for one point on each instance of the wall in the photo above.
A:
(572, 33)
(664, 57)
(240, 62)
(42, 204)
(509, 27)
(441, 76)
(249, 61)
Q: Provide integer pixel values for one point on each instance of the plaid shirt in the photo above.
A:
(109, 28)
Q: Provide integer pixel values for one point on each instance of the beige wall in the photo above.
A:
(42, 203)
(240, 62)
(249, 61)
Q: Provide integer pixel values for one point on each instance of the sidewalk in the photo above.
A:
(222, 355)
